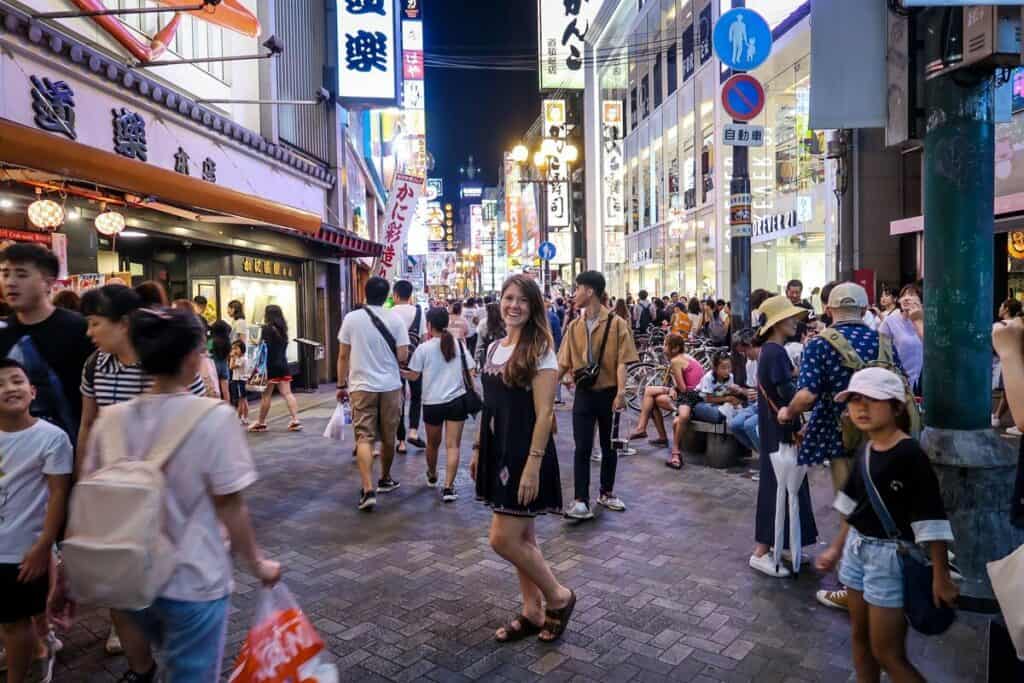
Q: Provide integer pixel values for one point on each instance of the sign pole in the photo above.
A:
(739, 244)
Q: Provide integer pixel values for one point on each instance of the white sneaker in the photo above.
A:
(1013, 431)
(595, 456)
(612, 502)
(766, 565)
(996, 422)
(579, 511)
(113, 645)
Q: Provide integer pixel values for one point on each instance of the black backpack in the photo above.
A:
(644, 319)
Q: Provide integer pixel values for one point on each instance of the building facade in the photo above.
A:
(187, 172)
(658, 172)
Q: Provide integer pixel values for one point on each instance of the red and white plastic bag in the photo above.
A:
(282, 646)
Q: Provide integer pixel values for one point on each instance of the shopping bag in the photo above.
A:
(339, 420)
(282, 646)
(1007, 577)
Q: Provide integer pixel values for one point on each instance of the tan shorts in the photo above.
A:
(375, 415)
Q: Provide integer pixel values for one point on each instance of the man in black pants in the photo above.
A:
(415, 319)
(601, 341)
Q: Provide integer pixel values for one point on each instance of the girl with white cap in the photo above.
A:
(894, 468)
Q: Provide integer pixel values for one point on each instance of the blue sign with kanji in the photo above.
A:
(742, 97)
(742, 39)
(546, 251)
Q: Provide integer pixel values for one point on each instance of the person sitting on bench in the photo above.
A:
(720, 400)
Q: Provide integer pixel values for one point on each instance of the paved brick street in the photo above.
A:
(413, 592)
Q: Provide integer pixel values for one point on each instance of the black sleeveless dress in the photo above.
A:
(505, 448)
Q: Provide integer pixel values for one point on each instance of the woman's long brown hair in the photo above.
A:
(535, 340)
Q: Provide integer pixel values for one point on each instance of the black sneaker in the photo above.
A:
(132, 677)
(367, 499)
(387, 485)
(431, 480)
(449, 495)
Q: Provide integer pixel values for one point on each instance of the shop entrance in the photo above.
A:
(148, 257)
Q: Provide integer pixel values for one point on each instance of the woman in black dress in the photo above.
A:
(514, 461)
(275, 335)
(776, 386)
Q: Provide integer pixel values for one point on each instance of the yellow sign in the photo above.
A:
(260, 266)
(1015, 244)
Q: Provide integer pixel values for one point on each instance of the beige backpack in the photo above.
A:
(116, 553)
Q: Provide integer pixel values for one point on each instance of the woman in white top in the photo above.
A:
(439, 361)
(239, 328)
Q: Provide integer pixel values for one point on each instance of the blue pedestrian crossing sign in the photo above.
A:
(546, 251)
(742, 39)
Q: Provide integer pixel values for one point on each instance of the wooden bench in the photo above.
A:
(720, 448)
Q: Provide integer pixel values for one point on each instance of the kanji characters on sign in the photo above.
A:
(401, 208)
(129, 134)
(54, 105)
(366, 51)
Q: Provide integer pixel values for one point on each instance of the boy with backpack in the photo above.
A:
(35, 475)
(828, 362)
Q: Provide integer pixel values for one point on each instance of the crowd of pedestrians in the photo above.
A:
(122, 374)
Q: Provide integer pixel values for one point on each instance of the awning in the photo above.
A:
(35, 149)
(348, 242)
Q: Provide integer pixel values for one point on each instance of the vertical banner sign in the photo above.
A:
(513, 210)
(704, 46)
(563, 25)
(739, 215)
(402, 203)
(370, 49)
(688, 66)
(611, 131)
(557, 170)
(414, 128)
(476, 226)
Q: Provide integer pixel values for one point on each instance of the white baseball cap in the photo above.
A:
(880, 384)
(848, 295)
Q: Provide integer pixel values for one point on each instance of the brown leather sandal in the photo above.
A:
(526, 629)
(558, 620)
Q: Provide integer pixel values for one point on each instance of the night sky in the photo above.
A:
(478, 112)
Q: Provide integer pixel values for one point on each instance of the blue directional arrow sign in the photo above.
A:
(742, 39)
(546, 251)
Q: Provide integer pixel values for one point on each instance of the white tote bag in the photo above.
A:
(1007, 577)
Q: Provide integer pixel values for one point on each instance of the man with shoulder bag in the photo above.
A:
(596, 347)
(373, 345)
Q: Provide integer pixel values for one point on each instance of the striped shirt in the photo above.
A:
(114, 382)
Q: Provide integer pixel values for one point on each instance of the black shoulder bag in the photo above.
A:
(471, 400)
(389, 339)
(918, 603)
(414, 330)
(586, 377)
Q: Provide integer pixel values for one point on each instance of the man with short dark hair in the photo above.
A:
(50, 342)
(598, 339)
(415, 320)
(794, 292)
(374, 343)
(644, 314)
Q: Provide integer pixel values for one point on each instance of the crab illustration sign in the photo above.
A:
(229, 14)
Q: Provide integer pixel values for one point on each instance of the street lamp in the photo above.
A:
(550, 151)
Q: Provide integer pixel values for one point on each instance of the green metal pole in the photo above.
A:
(959, 176)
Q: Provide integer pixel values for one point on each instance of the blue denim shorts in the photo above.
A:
(189, 635)
(872, 566)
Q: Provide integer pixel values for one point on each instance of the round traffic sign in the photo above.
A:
(546, 251)
(742, 97)
(742, 39)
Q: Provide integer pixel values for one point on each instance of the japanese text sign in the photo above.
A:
(368, 63)
(613, 165)
(563, 27)
(402, 204)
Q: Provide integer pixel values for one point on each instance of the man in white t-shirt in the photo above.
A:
(374, 343)
(407, 311)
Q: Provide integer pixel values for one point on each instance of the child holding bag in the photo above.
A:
(890, 502)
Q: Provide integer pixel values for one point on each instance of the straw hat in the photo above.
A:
(773, 311)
